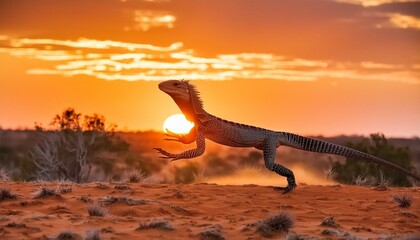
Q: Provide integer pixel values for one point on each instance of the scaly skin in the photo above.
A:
(240, 135)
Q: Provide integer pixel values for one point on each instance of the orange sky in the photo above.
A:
(305, 66)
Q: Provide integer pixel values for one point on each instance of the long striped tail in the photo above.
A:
(315, 145)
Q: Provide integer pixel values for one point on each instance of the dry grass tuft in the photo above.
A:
(122, 186)
(212, 233)
(330, 173)
(129, 201)
(86, 199)
(155, 224)
(96, 210)
(382, 183)
(329, 221)
(360, 180)
(6, 194)
(404, 201)
(337, 233)
(280, 222)
(295, 236)
(4, 175)
(68, 235)
(414, 236)
(101, 186)
(64, 189)
(16, 225)
(133, 176)
(44, 192)
(93, 235)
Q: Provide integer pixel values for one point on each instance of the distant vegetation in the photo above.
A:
(73, 144)
(85, 148)
(355, 170)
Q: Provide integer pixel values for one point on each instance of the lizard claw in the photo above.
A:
(166, 155)
(169, 133)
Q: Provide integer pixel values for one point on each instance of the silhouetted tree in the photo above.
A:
(379, 146)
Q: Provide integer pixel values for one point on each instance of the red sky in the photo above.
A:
(305, 66)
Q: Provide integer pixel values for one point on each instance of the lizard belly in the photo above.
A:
(233, 137)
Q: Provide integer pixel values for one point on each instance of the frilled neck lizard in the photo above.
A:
(235, 134)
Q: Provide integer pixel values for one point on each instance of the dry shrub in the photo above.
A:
(96, 210)
(280, 222)
(133, 176)
(329, 221)
(93, 235)
(212, 233)
(68, 235)
(360, 180)
(155, 224)
(6, 194)
(44, 192)
(330, 173)
(16, 225)
(129, 201)
(404, 201)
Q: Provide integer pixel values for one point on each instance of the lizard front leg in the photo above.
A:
(184, 138)
(198, 151)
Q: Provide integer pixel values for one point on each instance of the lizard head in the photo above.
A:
(185, 96)
(178, 90)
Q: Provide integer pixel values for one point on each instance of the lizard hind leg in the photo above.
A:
(269, 151)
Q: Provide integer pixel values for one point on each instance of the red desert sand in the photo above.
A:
(202, 211)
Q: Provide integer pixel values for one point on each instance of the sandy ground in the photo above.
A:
(197, 211)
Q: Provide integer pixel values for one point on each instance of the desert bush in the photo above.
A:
(376, 145)
(404, 201)
(96, 210)
(280, 222)
(71, 145)
(155, 224)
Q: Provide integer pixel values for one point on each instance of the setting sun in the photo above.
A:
(177, 123)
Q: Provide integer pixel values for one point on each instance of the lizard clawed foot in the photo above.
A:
(286, 189)
(166, 155)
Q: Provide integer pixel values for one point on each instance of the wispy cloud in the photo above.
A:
(90, 43)
(404, 21)
(373, 65)
(147, 19)
(373, 3)
(113, 60)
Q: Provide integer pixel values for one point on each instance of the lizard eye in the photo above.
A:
(176, 84)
